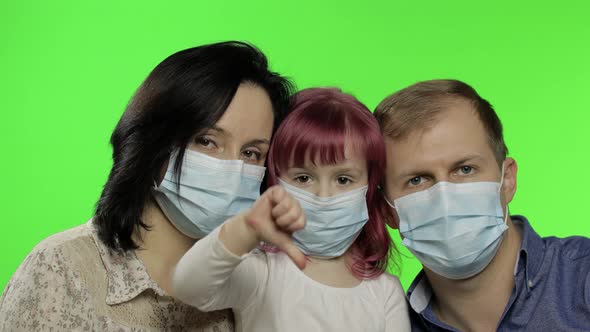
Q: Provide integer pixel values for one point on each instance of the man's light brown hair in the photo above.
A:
(417, 107)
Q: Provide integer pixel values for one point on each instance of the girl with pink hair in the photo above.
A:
(323, 262)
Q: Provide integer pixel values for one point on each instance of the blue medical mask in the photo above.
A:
(211, 191)
(453, 229)
(333, 223)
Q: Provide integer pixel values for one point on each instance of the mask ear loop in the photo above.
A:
(388, 202)
(385, 197)
(502, 178)
(500, 190)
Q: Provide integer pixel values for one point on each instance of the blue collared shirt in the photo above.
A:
(551, 287)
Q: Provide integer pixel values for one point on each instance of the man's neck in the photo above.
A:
(161, 247)
(477, 303)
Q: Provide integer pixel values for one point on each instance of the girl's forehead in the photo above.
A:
(305, 152)
(349, 157)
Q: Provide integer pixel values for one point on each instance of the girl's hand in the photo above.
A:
(274, 217)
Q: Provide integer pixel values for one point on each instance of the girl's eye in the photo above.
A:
(302, 179)
(205, 142)
(342, 180)
(465, 170)
(251, 155)
(415, 180)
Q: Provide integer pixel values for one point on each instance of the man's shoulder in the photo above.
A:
(572, 247)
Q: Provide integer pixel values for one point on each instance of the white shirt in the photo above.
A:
(269, 293)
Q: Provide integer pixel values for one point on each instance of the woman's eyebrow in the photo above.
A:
(249, 143)
(218, 129)
(257, 142)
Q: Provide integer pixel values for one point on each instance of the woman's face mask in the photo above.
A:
(209, 192)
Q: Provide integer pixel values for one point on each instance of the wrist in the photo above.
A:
(238, 236)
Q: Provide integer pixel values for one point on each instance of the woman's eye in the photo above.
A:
(342, 180)
(251, 155)
(415, 180)
(465, 170)
(302, 179)
(205, 142)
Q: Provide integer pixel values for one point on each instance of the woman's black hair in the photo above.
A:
(184, 95)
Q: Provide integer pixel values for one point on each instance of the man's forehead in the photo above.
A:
(455, 135)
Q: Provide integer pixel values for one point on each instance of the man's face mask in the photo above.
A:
(453, 229)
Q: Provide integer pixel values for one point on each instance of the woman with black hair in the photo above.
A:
(188, 152)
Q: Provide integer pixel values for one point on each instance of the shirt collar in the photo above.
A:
(530, 259)
(420, 293)
(127, 277)
(532, 250)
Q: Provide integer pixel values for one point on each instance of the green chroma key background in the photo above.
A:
(68, 68)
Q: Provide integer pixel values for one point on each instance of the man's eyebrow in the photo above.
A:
(466, 159)
(414, 172)
(421, 171)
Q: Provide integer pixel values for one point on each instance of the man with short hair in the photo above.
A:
(450, 182)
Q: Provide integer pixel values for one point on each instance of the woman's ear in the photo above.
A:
(162, 172)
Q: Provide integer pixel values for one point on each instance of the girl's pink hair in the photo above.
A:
(321, 123)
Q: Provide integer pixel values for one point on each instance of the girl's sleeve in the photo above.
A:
(396, 308)
(210, 277)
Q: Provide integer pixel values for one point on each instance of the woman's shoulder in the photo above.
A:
(64, 240)
(52, 277)
(59, 257)
(71, 246)
(66, 250)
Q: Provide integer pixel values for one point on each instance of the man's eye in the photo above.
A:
(342, 180)
(466, 169)
(302, 179)
(416, 180)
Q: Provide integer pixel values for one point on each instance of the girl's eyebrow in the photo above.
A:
(348, 170)
(297, 169)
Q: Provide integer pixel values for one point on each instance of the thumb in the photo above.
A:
(285, 243)
(261, 210)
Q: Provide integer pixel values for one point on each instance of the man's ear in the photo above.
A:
(509, 184)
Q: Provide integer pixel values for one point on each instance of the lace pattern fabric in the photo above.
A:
(72, 282)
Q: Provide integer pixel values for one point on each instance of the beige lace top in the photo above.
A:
(72, 282)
